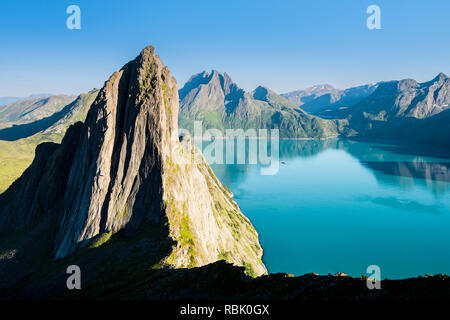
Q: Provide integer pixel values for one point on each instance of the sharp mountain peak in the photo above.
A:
(124, 168)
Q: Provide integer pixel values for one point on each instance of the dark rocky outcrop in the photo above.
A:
(224, 281)
(39, 191)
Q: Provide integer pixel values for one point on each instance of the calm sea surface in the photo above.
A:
(340, 206)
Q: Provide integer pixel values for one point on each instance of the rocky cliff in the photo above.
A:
(122, 170)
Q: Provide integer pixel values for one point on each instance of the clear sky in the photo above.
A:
(285, 45)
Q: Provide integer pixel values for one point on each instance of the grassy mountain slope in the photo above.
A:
(26, 111)
(16, 156)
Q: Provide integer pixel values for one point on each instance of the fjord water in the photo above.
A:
(341, 206)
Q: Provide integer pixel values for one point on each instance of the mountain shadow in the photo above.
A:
(17, 132)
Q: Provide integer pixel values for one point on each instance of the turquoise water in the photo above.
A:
(340, 206)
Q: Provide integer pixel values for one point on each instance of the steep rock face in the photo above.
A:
(219, 103)
(213, 92)
(37, 193)
(125, 167)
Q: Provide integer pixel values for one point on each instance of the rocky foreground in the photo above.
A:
(224, 281)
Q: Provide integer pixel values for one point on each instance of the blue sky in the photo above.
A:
(285, 45)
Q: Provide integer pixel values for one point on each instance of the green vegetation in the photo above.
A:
(125, 213)
(165, 91)
(187, 239)
(185, 232)
(249, 269)
(101, 239)
(224, 256)
(145, 83)
(16, 156)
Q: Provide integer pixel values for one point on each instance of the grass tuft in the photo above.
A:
(101, 239)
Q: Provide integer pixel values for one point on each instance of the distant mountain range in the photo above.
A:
(325, 97)
(402, 99)
(404, 110)
(217, 101)
(389, 110)
(26, 118)
(32, 109)
(8, 100)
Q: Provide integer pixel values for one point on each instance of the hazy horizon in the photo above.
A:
(247, 90)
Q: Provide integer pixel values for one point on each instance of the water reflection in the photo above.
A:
(306, 148)
(401, 166)
(436, 171)
(404, 204)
